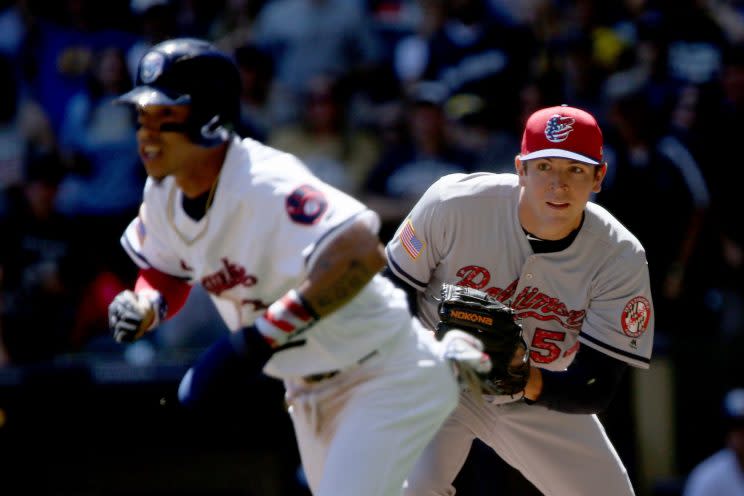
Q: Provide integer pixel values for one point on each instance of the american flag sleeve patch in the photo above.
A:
(410, 242)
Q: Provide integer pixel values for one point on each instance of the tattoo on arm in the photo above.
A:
(342, 270)
(350, 282)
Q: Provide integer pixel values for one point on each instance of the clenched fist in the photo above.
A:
(132, 314)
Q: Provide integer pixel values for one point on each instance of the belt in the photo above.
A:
(322, 376)
(313, 378)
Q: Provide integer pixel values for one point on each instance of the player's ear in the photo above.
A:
(521, 168)
(599, 174)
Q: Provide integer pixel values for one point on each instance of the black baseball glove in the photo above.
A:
(492, 322)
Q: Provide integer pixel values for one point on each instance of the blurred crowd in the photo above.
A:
(380, 98)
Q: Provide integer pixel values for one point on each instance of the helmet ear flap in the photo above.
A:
(215, 104)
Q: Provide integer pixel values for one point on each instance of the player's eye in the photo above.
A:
(577, 170)
(543, 166)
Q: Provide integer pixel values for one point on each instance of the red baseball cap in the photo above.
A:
(564, 132)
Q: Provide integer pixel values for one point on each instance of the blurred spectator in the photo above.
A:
(411, 53)
(98, 138)
(23, 126)
(722, 474)
(156, 21)
(62, 48)
(472, 53)
(41, 275)
(311, 37)
(645, 66)
(581, 42)
(515, 12)
(232, 27)
(395, 19)
(14, 19)
(336, 152)
(582, 74)
(649, 157)
(104, 188)
(689, 144)
(729, 234)
(482, 131)
(256, 75)
(695, 41)
(424, 153)
(730, 17)
(194, 17)
(656, 186)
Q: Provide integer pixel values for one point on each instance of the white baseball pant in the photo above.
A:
(360, 432)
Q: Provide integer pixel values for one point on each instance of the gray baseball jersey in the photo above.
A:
(465, 230)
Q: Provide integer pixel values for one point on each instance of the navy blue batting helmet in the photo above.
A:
(188, 71)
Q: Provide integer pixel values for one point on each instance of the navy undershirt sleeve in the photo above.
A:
(587, 386)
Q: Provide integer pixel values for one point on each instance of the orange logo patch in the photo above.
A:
(471, 317)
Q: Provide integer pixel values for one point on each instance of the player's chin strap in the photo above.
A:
(212, 133)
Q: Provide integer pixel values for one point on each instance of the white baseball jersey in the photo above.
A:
(268, 220)
(465, 230)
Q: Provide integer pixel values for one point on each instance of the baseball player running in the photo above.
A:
(579, 284)
(292, 267)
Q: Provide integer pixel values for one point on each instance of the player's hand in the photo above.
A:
(465, 353)
(131, 315)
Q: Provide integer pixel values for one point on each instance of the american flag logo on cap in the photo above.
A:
(410, 242)
(558, 128)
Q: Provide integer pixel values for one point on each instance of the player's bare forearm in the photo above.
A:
(344, 267)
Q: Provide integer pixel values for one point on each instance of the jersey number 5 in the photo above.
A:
(544, 348)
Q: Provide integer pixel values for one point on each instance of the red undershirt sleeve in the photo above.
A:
(174, 290)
